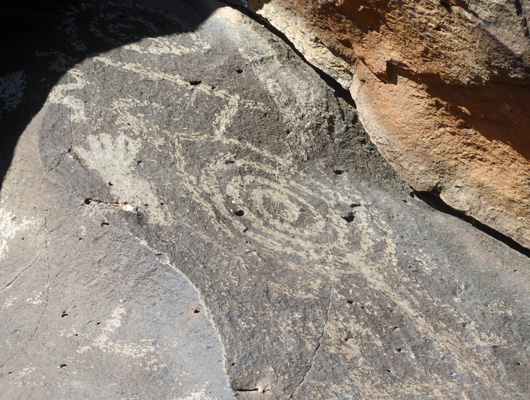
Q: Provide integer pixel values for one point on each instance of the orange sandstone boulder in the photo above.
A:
(442, 87)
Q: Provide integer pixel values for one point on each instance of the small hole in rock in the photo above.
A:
(97, 323)
(62, 365)
(446, 5)
(239, 213)
(349, 301)
(64, 314)
(517, 363)
(196, 311)
(110, 183)
(398, 349)
(239, 71)
(88, 201)
(195, 83)
(104, 223)
(348, 217)
(139, 162)
(338, 172)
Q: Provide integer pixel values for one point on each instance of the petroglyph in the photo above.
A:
(62, 95)
(168, 46)
(224, 164)
(288, 218)
(115, 160)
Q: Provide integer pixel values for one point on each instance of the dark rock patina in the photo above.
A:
(196, 215)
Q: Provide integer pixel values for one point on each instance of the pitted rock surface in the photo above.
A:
(197, 215)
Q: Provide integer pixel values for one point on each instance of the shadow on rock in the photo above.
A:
(41, 40)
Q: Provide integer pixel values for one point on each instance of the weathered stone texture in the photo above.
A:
(196, 215)
(442, 87)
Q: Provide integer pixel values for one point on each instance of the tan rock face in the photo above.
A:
(443, 88)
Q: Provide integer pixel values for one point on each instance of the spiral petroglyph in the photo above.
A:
(273, 209)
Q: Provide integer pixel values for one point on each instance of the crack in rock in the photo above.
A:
(317, 347)
(21, 272)
(37, 325)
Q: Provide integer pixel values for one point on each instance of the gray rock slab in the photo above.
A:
(198, 215)
(87, 310)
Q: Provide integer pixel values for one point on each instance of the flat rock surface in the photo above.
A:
(196, 215)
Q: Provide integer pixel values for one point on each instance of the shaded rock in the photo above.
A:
(216, 159)
(441, 88)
